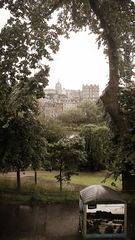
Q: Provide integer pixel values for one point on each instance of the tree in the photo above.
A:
(53, 129)
(123, 152)
(23, 145)
(85, 112)
(38, 146)
(72, 116)
(127, 101)
(22, 80)
(18, 92)
(92, 111)
(24, 43)
(97, 146)
(18, 126)
(66, 156)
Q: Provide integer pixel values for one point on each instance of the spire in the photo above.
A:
(58, 87)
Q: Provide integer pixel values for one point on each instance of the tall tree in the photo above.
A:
(22, 81)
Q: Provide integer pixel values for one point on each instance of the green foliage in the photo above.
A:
(97, 146)
(66, 156)
(72, 117)
(123, 150)
(127, 101)
(54, 130)
(92, 111)
(25, 41)
(14, 151)
(86, 112)
(22, 144)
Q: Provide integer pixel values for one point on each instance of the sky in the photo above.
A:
(78, 61)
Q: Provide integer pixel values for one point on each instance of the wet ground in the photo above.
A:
(47, 222)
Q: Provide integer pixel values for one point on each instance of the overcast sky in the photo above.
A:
(79, 61)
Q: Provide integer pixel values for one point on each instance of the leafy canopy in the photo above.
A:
(66, 156)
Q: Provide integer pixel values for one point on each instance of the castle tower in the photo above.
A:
(58, 87)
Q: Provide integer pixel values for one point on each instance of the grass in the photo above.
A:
(47, 189)
(94, 178)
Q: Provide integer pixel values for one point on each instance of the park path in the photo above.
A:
(46, 222)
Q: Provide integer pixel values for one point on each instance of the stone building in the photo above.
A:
(53, 103)
(90, 92)
(58, 88)
(58, 100)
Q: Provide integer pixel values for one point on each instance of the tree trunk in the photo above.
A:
(35, 177)
(110, 95)
(111, 104)
(61, 180)
(128, 182)
(130, 220)
(18, 180)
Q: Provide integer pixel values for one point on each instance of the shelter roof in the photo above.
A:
(100, 194)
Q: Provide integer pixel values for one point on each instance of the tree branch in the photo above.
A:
(95, 6)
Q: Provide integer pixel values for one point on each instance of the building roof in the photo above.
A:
(100, 194)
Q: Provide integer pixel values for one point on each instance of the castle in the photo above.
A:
(58, 100)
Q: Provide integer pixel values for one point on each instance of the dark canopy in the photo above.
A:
(100, 194)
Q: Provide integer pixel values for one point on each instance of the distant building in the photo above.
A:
(73, 94)
(58, 88)
(58, 100)
(90, 92)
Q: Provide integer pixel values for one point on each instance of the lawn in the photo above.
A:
(46, 180)
(47, 189)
